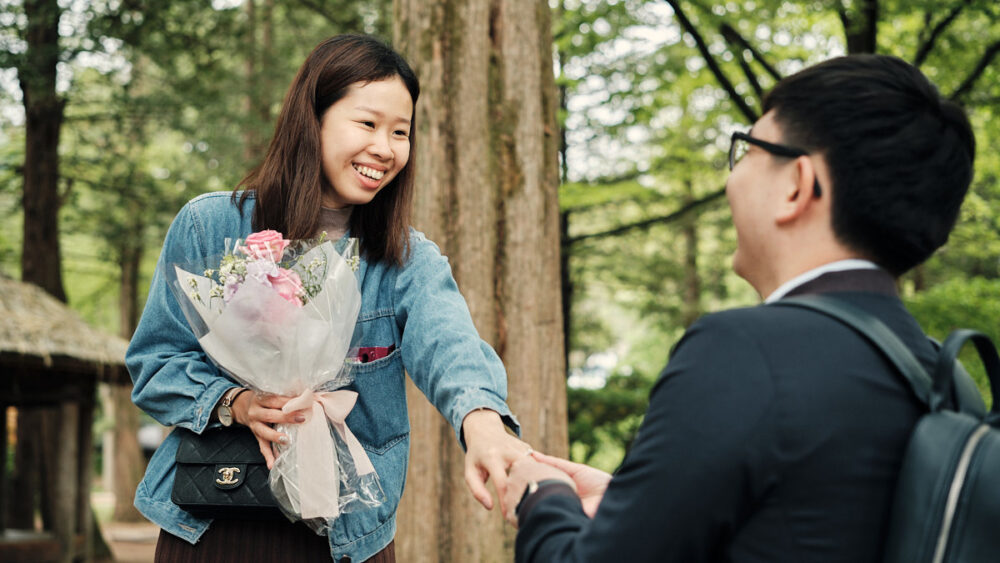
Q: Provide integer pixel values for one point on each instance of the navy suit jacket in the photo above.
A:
(773, 434)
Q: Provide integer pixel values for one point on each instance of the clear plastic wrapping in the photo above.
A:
(278, 317)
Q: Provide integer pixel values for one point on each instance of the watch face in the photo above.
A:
(225, 415)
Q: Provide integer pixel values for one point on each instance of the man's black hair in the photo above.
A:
(899, 154)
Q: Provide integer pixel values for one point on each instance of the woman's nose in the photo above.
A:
(380, 147)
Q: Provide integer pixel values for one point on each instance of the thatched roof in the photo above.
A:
(35, 325)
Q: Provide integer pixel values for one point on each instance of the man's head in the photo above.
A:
(898, 155)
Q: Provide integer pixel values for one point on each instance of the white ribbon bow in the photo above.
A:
(316, 459)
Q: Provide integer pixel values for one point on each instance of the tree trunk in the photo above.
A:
(861, 27)
(565, 282)
(487, 177)
(129, 464)
(40, 256)
(259, 56)
(565, 249)
(919, 278)
(43, 108)
(250, 52)
(24, 479)
(130, 258)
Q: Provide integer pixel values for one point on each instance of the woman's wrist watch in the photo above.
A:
(225, 410)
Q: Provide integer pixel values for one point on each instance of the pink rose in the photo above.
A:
(288, 285)
(267, 245)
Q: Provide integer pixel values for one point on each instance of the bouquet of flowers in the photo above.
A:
(278, 316)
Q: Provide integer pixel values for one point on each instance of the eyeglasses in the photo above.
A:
(740, 144)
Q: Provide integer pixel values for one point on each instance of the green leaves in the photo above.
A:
(961, 303)
(653, 90)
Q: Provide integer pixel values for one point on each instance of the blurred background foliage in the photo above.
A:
(169, 99)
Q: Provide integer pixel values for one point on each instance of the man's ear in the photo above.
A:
(798, 195)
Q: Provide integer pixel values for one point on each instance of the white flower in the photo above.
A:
(229, 286)
(229, 290)
(260, 269)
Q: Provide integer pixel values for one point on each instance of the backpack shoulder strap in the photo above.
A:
(875, 332)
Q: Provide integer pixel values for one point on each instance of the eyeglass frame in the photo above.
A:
(773, 148)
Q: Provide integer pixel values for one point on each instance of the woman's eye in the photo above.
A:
(402, 133)
(368, 124)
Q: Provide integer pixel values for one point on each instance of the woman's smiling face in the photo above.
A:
(365, 141)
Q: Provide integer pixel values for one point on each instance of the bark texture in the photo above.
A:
(40, 255)
(487, 181)
(43, 108)
(129, 464)
(259, 55)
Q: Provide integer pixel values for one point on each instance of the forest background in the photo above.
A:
(155, 102)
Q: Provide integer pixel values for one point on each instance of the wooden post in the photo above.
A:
(67, 485)
(3, 468)
(85, 523)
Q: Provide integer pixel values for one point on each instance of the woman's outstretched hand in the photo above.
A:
(490, 450)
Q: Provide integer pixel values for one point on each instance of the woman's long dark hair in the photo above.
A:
(289, 183)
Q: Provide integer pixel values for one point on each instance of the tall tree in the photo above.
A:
(259, 84)
(487, 177)
(43, 108)
(37, 455)
(40, 255)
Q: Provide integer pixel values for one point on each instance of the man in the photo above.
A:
(776, 433)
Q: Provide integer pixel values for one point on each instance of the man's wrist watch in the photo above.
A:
(226, 406)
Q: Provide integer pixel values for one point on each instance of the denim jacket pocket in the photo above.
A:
(379, 418)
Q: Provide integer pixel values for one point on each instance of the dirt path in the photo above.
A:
(131, 542)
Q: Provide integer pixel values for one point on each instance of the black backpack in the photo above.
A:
(946, 507)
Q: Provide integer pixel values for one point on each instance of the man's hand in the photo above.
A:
(524, 471)
(590, 482)
(490, 450)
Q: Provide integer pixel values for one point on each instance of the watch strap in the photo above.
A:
(225, 405)
(230, 396)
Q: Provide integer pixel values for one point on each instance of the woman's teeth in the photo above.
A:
(370, 172)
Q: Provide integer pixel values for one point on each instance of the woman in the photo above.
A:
(338, 162)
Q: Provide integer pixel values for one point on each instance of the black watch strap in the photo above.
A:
(237, 394)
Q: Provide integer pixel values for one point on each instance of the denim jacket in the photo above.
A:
(416, 307)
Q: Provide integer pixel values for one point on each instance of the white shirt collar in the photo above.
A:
(838, 266)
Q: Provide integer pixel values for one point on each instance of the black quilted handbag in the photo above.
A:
(222, 474)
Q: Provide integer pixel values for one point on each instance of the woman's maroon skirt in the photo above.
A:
(246, 541)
